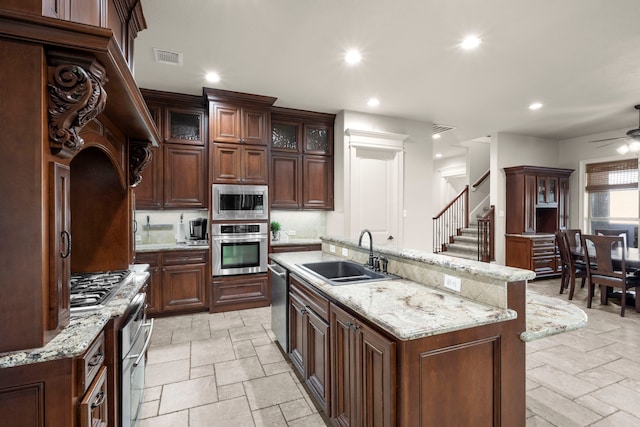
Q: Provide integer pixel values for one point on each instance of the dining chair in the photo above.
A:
(612, 232)
(570, 270)
(607, 275)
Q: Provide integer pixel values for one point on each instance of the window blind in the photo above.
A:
(609, 176)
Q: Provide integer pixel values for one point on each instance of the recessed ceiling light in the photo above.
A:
(352, 56)
(435, 136)
(535, 106)
(624, 149)
(438, 155)
(373, 102)
(212, 77)
(470, 42)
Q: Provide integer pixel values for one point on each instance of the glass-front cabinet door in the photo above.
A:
(285, 136)
(318, 139)
(184, 126)
(547, 191)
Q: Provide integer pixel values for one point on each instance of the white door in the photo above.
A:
(376, 201)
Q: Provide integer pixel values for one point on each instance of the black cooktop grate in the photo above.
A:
(89, 290)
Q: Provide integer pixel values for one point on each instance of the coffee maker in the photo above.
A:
(198, 231)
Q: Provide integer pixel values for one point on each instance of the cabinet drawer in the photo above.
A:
(93, 407)
(186, 257)
(310, 298)
(544, 265)
(90, 363)
(150, 258)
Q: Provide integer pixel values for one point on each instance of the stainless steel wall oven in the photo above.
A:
(239, 248)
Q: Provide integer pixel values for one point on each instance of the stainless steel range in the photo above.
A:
(91, 291)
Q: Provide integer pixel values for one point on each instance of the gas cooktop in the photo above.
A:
(91, 291)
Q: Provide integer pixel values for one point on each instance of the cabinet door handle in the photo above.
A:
(96, 359)
(99, 400)
(66, 241)
(303, 311)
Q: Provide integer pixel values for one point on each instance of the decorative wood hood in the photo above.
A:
(126, 105)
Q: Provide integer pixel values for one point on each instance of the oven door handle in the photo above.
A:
(228, 239)
(146, 344)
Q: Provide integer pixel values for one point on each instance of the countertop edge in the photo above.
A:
(548, 316)
(83, 328)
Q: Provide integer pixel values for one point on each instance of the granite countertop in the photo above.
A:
(411, 310)
(292, 242)
(83, 327)
(158, 247)
(405, 309)
(547, 316)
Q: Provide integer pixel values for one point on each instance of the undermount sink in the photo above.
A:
(344, 272)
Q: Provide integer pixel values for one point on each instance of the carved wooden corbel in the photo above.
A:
(139, 158)
(76, 96)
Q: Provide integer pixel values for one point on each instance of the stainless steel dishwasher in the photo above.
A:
(280, 304)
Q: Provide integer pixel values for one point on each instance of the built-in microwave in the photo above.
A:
(232, 202)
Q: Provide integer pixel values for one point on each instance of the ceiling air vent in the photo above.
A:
(167, 57)
(437, 129)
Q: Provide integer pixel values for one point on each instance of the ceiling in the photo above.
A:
(580, 58)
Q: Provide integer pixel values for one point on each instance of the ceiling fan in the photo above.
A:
(632, 136)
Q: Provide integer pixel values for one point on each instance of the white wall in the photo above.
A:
(514, 150)
(477, 164)
(418, 175)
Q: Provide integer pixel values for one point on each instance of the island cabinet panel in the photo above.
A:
(363, 365)
(473, 377)
(309, 339)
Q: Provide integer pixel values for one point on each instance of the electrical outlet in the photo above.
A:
(452, 283)
(345, 252)
(332, 249)
(292, 232)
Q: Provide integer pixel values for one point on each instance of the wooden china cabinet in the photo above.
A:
(537, 204)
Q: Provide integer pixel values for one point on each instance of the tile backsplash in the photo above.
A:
(305, 224)
(169, 221)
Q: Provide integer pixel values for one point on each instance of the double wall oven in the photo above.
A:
(239, 230)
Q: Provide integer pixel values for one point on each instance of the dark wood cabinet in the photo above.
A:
(239, 292)
(537, 204)
(301, 159)
(184, 171)
(309, 344)
(240, 164)
(536, 199)
(176, 178)
(60, 247)
(184, 126)
(178, 281)
(363, 369)
(293, 247)
(234, 123)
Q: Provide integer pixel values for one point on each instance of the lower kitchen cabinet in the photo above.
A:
(239, 292)
(363, 373)
(309, 342)
(178, 281)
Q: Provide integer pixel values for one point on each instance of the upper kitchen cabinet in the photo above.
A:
(238, 164)
(238, 118)
(176, 177)
(537, 199)
(301, 159)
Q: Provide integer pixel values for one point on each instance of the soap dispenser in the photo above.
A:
(180, 234)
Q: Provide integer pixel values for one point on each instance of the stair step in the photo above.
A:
(461, 248)
(466, 239)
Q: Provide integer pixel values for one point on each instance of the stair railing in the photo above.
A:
(486, 236)
(480, 180)
(450, 220)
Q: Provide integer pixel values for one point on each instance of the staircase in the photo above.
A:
(465, 245)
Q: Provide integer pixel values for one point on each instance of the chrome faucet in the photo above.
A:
(370, 245)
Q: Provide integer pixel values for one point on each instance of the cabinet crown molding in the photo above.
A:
(378, 140)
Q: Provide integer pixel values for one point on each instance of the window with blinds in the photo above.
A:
(609, 176)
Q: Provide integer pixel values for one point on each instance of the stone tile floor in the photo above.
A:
(225, 370)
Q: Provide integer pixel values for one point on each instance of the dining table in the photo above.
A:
(631, 260)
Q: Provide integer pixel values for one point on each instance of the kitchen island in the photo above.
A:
(409, 352)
